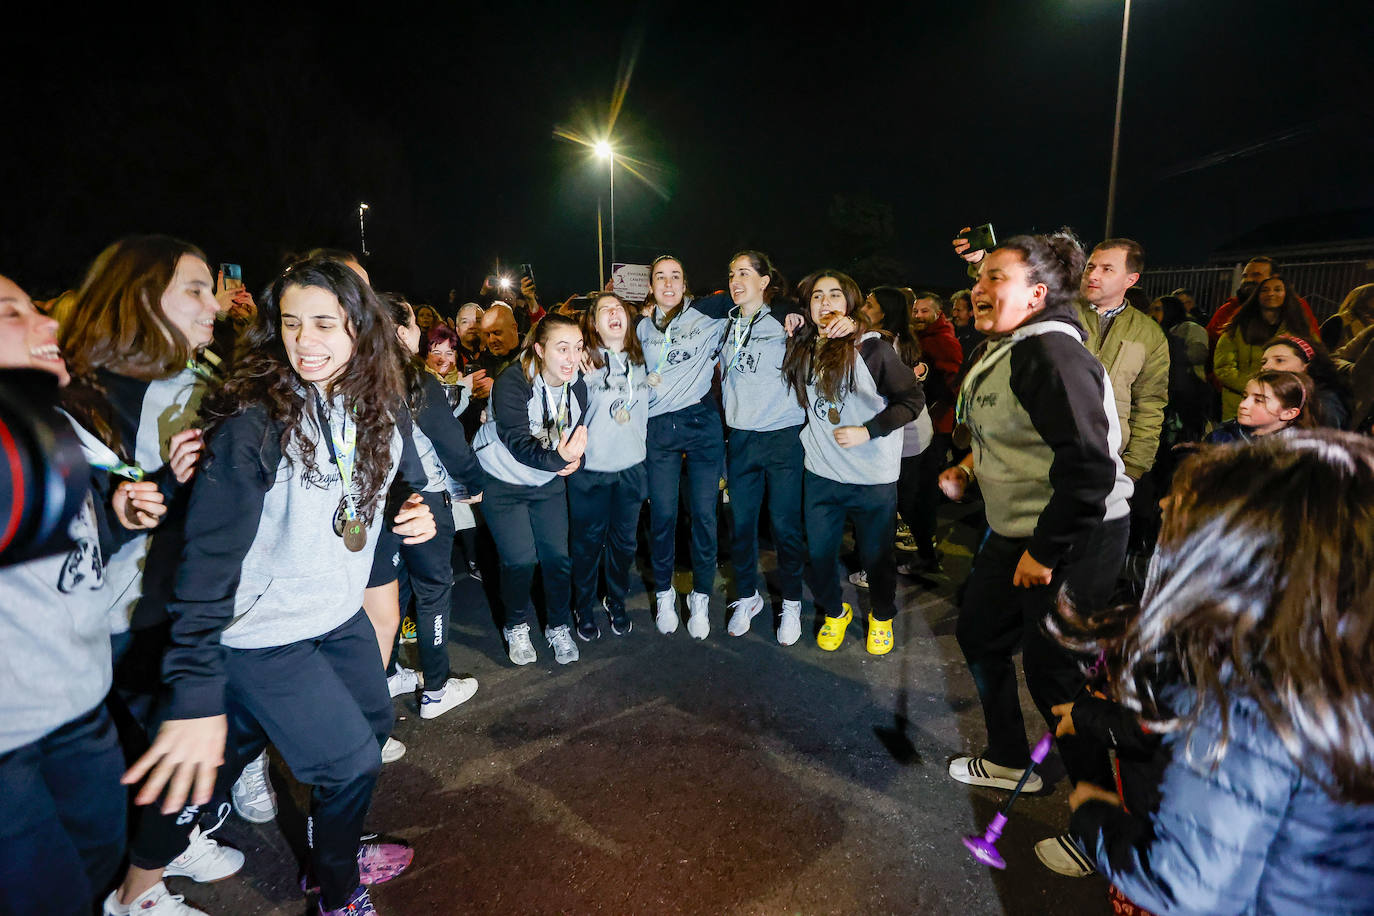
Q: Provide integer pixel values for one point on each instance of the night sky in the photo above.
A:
(869, 133)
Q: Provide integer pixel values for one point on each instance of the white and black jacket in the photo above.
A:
(518, 444)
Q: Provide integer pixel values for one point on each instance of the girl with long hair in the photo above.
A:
(605, 497)
(1272, 309)
(856, 393)
(307, 434)
(1039, 411)
(62, 812)
(681, 340)
(534, 437)
(136, 336)
(1291, 353)
(763, 442)
(1274, 401)
(1249, 658)
(425, 570)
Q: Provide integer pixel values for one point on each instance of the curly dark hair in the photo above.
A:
(827, 360)
(371, 383)
(1249, 323)
(1260, 588)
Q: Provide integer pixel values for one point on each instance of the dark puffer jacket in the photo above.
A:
(1254, 835)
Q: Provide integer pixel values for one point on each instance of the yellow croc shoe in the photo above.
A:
(879, 636)
(832, 634)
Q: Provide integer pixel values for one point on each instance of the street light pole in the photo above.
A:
(600, 254)
(1116, 129)
(362, 229)
(612, 208)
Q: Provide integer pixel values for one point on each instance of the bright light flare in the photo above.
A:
(603, 150)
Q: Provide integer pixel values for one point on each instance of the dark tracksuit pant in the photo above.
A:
(603, 508)
(873, 509)
(426, 571)
(137, 705)
(918, 492)
(62, 815)
(997, 617)
(692, 434)
(530, 528)
(771, 460)
(323, 704)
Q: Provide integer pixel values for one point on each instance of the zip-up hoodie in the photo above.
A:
(439, 441)
(56, 663)
(148, 414)
(518, 444)
(1046, 436)
(752, 385)
(885, 397)
(687, 364)
(613, 446)
(262, 565)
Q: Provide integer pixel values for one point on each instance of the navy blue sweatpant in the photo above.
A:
(530, 528)
(773, 461)
(61, 818)
(323, 704)
(603, 508)
(426, 571)
(873, 509)
(692, 434)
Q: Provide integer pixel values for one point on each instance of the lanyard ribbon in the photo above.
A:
(100, 455)
(629, 368)
(560, 417)
(740, 332)
(341, 453)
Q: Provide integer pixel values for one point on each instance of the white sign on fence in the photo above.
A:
(631, 281)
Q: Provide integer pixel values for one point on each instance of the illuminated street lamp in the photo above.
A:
(362, 229)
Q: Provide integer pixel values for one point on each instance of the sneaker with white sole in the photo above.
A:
(155, 901)
(392, 751)
(620, 619)
(976, 771)
(254, 798)
(789, 626)
(859, 579)
(561, 641)
(204, 859)
(1062, 855)
(455, 692)
(699, 615)
(745, 610)
(404, 681)
(666, 618)
(518, 644)
(408, 629)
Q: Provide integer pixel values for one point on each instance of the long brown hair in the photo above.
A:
(115, 320)
(530, 360)
(826, 360)
(371, 384)
(1260, 589)
(592, 338)
(1249, 322)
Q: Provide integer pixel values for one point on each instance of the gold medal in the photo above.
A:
(355, 536)
(962, 436)
(834, 415)
(655, 379)
(622, 416)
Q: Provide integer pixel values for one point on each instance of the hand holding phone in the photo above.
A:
(972, 244)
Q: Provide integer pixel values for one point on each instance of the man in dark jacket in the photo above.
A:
(938, 372)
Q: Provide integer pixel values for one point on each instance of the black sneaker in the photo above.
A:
(473, 571)
(922, 566)
(587, 630)
(620, 619)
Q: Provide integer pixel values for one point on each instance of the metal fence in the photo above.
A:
(1322, 283)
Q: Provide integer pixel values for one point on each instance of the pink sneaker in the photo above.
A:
(378, 863)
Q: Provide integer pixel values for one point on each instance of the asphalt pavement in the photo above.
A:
(665, 775)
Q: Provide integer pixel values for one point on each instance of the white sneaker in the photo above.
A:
(205, 860)
(789, 627)
(975, 771)
(667, 611)
(698, 619)
(254, 799)
(859, 579)
(745, 611)
(564, 649)
(404, 681)
(155, 901)
(1061, 854)
(392, 751)
(455, 692)
(521, 650)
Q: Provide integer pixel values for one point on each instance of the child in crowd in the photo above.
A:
(1273, 402)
